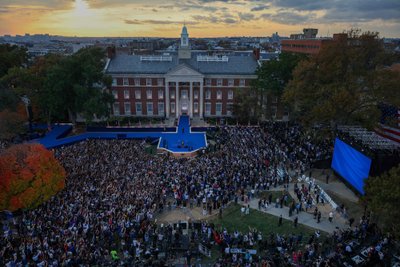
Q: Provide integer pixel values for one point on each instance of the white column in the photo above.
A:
(201, 99)
(191, 101)
(166, 99)
(177, 99)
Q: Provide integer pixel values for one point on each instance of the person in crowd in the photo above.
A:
(105, 216)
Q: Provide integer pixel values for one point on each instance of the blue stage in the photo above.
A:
(181, 141)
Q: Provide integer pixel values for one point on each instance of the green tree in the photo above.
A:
(76, 84)
(11, 124)
(272, 77)
(243, 107)
(382, 195)
(344, 82)
(8, 98)
(11, 56)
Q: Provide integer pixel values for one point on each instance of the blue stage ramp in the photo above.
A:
(183, 140)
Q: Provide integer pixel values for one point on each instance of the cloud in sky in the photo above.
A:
(292, 18)
(158, 22)
(207, 17)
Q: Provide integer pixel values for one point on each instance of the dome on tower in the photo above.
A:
(184, 30)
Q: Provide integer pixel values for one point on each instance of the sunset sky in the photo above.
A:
(204, 18)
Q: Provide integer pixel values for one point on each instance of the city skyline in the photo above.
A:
(204, 18)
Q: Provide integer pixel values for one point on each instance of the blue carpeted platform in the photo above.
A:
(180, 141)
(183, 140)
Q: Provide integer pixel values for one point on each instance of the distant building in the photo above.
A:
(307, 43)
(306, 46)
(170, 84)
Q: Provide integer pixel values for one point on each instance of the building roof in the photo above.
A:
(184, 30)
(132, 64)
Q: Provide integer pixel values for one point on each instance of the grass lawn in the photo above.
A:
(232, 220)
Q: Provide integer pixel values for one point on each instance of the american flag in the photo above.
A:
(389, 126)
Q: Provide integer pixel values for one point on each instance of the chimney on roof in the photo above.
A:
(256, 53)
(110, 52)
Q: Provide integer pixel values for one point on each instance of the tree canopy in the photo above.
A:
(382, 195)
(59, 85)
(272, 77)
(11, 56)
(11, 124)
(345, 82)
(75, 86)
(11, 114)
(29, 176)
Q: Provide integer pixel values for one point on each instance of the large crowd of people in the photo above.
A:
(105, 214)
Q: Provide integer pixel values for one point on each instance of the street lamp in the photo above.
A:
(28, 107)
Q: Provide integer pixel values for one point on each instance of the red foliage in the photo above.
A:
(29, 175)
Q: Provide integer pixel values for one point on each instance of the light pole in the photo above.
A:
(28, 107)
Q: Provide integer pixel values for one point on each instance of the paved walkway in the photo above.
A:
(305, 218)
(339, 189)
(335, 185)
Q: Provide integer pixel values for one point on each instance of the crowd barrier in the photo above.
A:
(323, 194)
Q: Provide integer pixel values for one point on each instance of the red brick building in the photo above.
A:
(306, 46)
(171, 84)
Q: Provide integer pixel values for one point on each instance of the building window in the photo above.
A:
(208, 109)
(160, 82)
(126, 94)
(242, 82)
(196, 107)
(172, 94)
(230, 94)
(208, 94)
(115, 94)
(114, 82)
(218, 109)
(172, 107)
(196, 94)
(138, 94)
(149, 108)
(231, 82)
(219, 94)
(160, 94)
(126, 81)
(127, 108)
(229, 109)
(116, 108)
(149, 94)
(219, 82)
(138, 108)
(160, 108)
(184, 94)
(137, 82)
(208, 82)
(148, 82)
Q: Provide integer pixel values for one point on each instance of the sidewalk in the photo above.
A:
(304, 217)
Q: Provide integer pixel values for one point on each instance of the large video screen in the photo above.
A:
(352, 165)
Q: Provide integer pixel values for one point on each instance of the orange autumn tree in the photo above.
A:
(29, 176)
